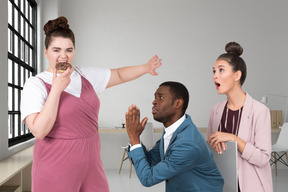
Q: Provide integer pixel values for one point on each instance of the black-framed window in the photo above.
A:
(22, 17)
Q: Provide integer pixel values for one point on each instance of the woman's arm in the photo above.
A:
(258, 151)
(40, 124)
(125, 74)
(217, 141)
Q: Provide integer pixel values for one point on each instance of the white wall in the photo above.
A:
(188, 36)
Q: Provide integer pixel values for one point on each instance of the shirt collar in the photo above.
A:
(172, 128)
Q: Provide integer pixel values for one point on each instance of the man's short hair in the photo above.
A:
(178, 91)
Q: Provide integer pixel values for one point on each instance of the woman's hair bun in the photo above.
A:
(59, 23)
(234, 48)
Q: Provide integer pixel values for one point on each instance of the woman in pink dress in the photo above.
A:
(61, 110)
(242, 119)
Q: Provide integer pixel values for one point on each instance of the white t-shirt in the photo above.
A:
(34, 93)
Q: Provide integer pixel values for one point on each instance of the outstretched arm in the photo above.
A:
(125, 74)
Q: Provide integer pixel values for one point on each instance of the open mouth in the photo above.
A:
(217, 85)
(154, 110)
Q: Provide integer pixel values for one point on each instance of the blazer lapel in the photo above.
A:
(178, 130)
(162, 146)
(245, 119)
(218, 116)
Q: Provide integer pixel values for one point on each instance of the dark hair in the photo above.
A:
(234, 50)
(178, 91)
(57, 28)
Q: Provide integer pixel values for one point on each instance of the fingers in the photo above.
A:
(155, 63)
(218, 148)
(144, 121)
(223, 145)
(214, 141)
(54, 73)
(133, 114)
(67, 72)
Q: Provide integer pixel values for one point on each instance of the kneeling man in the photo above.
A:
(181, 157)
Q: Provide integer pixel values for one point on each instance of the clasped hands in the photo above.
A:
(133, 125)
(217, 140)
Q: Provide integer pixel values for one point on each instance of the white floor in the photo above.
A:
(122, 182)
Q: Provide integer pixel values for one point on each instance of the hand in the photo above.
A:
(133, 126)
(217, 140)
(153, 64)
(60, 82)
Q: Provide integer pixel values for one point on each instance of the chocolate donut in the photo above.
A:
(62, 66)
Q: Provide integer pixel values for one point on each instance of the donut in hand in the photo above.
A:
(62, 66)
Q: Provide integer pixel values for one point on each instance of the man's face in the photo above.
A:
(163, 106)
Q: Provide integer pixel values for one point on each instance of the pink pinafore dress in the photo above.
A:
(68, 159)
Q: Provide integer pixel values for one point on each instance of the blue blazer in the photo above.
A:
(187, 165)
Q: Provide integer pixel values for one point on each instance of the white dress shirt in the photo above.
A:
(170, 130)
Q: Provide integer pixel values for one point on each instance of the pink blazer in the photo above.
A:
(254, 172)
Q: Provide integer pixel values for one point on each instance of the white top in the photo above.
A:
(34, 93)
(170, 130)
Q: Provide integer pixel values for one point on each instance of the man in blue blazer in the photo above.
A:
(181, 157)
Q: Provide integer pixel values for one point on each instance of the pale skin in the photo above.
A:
(230, 86)
(63, 50)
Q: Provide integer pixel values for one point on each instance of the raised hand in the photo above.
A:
(133, 125)
(154, 63)
(60, 82)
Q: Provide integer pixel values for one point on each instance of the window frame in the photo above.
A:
(22, 62)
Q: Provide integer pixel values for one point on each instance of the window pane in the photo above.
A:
(30, 14)
(16, 125)
(15, 51)
(10, 71)
(9, 127)
(22, 6)
(31, 58)
(26, 31)
(9, 13)
(16, 20)
(23, 131)
(9, 41)
(16, 102)
(10, 98)
(21, 26)
(26, 54)
(26, 10)
(23, 77)
(21, 50)
(30, 36)
(16, 75)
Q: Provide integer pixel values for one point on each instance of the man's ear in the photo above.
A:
(179, 103)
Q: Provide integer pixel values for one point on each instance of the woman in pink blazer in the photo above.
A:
(241, 118)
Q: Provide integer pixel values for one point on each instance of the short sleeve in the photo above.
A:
(98, 77)
(33, 97)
